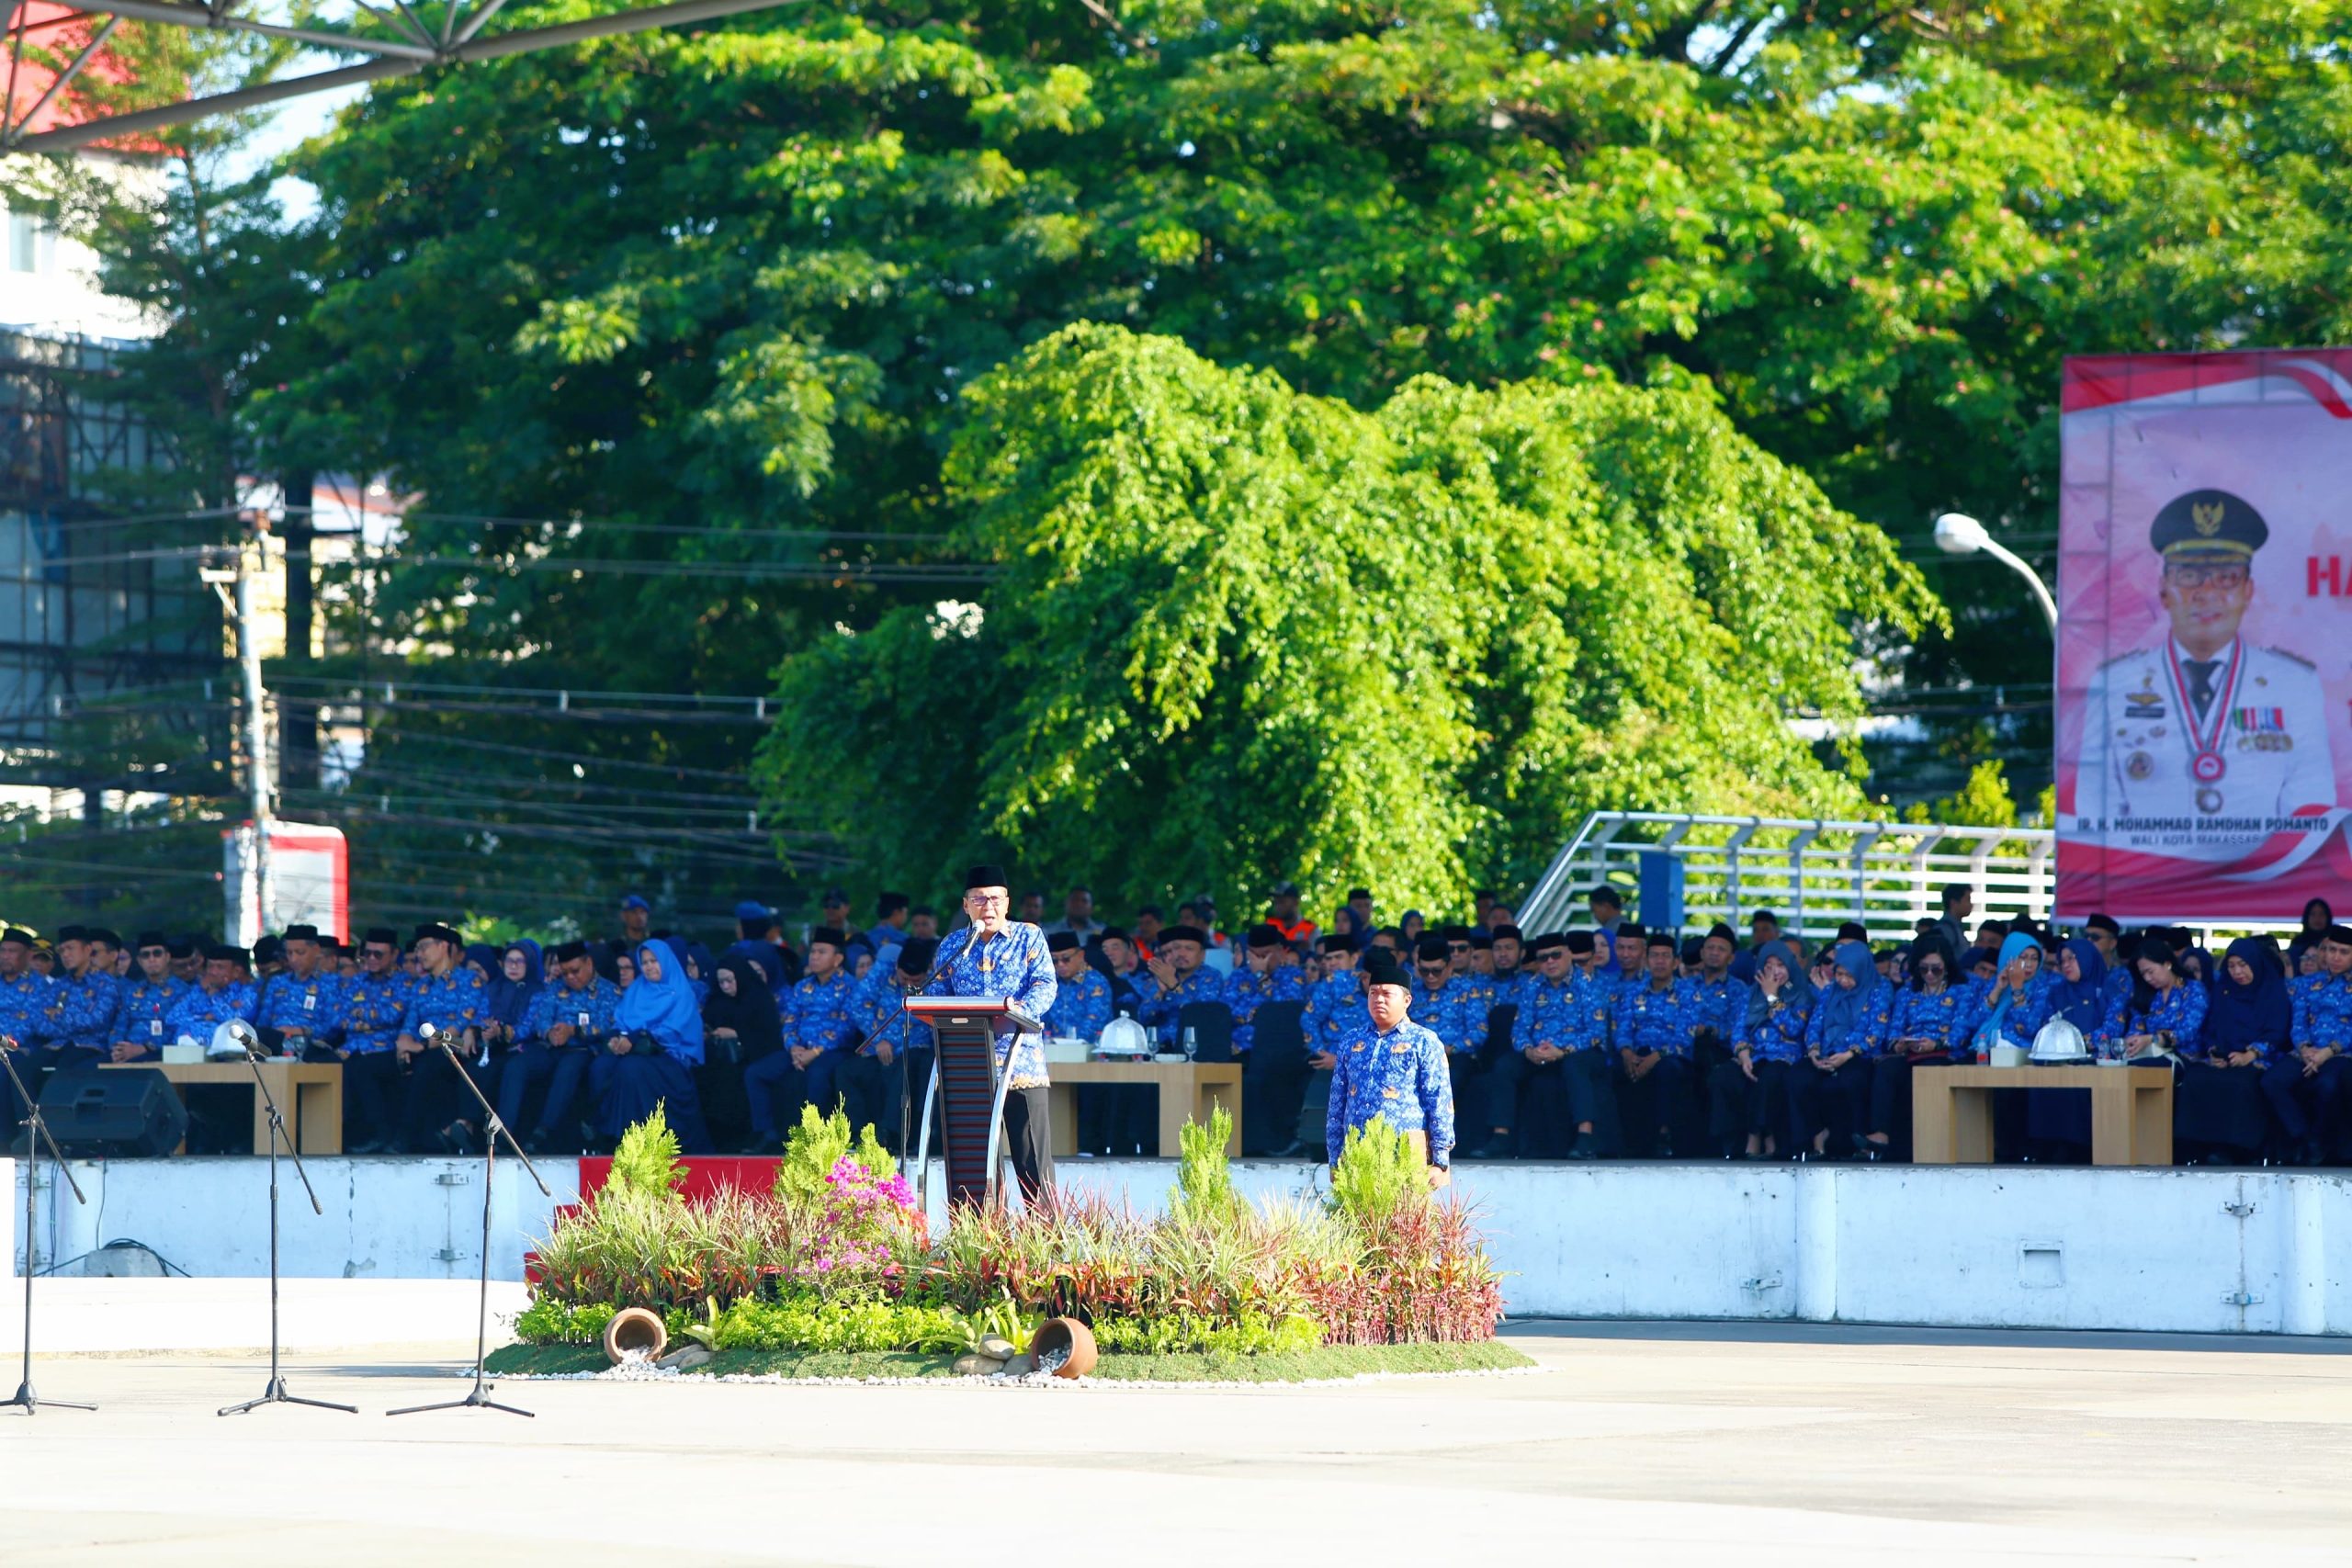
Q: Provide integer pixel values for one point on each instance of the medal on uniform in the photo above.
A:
(2206, 764)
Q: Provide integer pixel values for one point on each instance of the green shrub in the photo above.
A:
(813, 1322)
(813, 1148)
(1203, 1174)
(1378, 1173)
(1248, 1334)
(646, 1160)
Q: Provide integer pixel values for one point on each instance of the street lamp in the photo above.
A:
(1959, 535)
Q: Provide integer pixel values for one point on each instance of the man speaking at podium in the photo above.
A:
(999, 958)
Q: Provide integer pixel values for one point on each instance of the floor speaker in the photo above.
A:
(117, 1113)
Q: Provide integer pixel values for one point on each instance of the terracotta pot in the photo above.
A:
(1057, 1334)
(634, 1328)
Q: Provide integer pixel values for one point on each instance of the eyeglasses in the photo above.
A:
(2194, 576)
(1929, 969)
(986, 900)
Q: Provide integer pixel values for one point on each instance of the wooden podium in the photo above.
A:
(969, 1088)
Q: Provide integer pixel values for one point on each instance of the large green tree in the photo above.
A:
(719, 290)
(1243, 628)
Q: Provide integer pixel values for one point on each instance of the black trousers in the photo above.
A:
(1272, 1082)
(1837, 1103)
(1029, 1140)
(371, 1092)
(1554, 1099)
(1651, 1108)
(1890, 1095)
(1743, 1108)
(2215, 1107)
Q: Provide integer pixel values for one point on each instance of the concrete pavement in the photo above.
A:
(1635, 1442)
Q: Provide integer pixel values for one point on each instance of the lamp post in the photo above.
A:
(1960, 535)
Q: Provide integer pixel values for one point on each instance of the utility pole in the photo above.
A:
(256, 721)
(239, 602)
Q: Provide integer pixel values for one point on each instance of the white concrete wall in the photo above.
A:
(2254, 1251)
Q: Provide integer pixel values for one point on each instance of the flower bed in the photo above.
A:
(837, 1261)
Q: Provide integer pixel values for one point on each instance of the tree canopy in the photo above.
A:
(711, 301)
(1242, 627)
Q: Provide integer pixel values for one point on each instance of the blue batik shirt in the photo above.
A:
(1399, 1076)
(373, 1006)
(1016, 969)
(1570, 1015)
(451, 1004)
(1719, 1005)
(558, 1003)
(1916, 1015)
(1161, 1009)
(1779, 1035)
(142, 1009)
(24, 1007)
(200, 1012)
(2179, 1012)
(881, 1017)
(2323, 1005)
(82, 1010)
(1649, 1017)
(1246, 991)
(1335, 1010)
(1455, 1012)
(820, 1015)
(2020, 1022)
(314, 1006)
(1081, 1007)
(1868, 1035)
(1512, 991)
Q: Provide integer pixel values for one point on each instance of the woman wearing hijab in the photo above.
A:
(1922, 1024)
(1829, 1089)
(2163, 1012)
(1749, 1092)
(2317, 917)
(740, 1025)
(520, 975)
(2011, 1010)
(2217, 1104)
(2058, 1121)
(650, 1058)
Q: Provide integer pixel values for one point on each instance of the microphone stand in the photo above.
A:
(275, 1393)
(904, 1048)
(492, 1129)
(25, 1399)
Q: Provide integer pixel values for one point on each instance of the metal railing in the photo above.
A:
(1813, 874)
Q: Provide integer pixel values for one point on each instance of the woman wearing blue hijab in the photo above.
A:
(1829, 1090)
(1923, 1029)
(1750, 1094)
(650, 1058)
(2058, 1121)
(2217, 1109)
(2011, 1011)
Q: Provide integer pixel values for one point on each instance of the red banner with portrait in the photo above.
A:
(2204, 634)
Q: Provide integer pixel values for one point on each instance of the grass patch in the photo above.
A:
(1325, 1362)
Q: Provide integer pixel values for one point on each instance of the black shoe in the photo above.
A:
(1499, 1147)
(1583, 1147)
(457, 1138)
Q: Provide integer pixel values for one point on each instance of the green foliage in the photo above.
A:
(1187, 552)
(1983, 802)
(1328, 1362)
(546, 1321)
(645, 1161)
(1247, 1334)
(811, 1323)
(1378, 1174)
(820, 1142)
(1205, 1191)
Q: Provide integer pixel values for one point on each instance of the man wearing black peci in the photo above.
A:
(1001, 958)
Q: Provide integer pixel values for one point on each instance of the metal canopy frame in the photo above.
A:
(403, 45)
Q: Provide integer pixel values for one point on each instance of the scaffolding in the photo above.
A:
(108, 644)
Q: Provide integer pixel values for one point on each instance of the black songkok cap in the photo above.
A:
(1579, 941)
(301, 932)
(1663, 938)
(1722, 931)
(916, 956)
(565, 951)
(1547, 941)
(222, 950)
(1433, 949)
(1507, 930)
(830, 935)
(1633, 928)
(1481, 942)
(2340, 935)
(1380, 969)
(438, 932)
(2103, 923)
(1114, 934)
(1454, 933)
(1693, 949)
(1183, 933)
(1356, 892)
(70, 933)
(384, 934)
(1066, 942)
(153, 939)
(1265, 936)
(183, 948)
(101, 933)
(268, 950)
(985, 876)
(18, 933)
(1336, 944)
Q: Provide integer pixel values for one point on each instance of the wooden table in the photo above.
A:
(309, 1095)
(1189, 1091)
(1951, 1111)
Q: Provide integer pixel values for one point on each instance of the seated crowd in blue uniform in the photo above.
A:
(1605, 1042)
